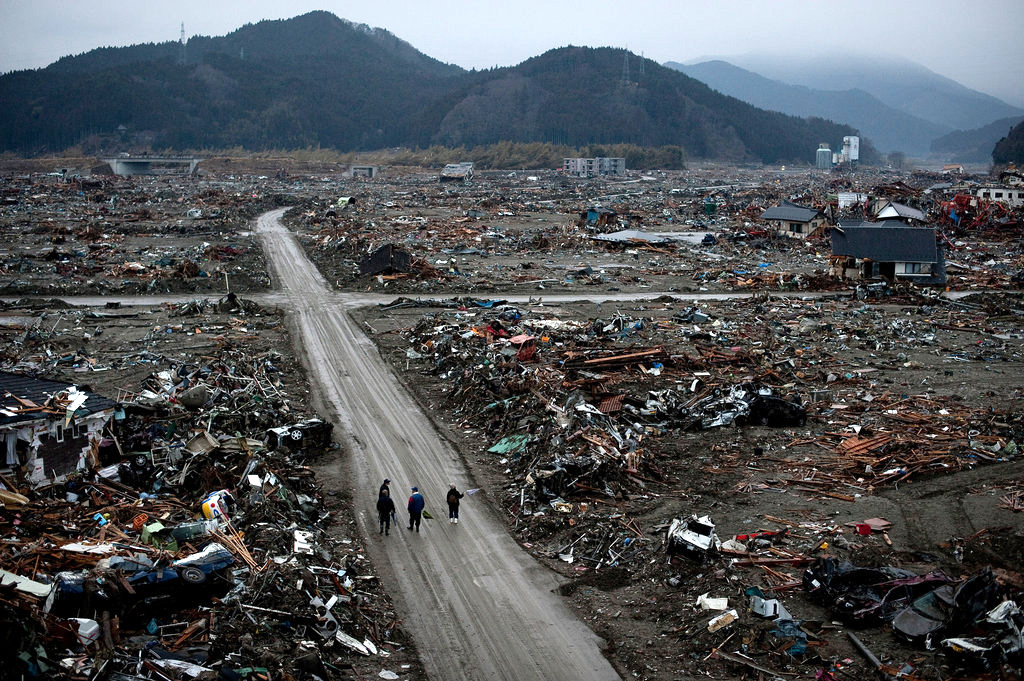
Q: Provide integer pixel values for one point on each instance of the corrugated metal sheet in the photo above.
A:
(611, 405)
(510, 444)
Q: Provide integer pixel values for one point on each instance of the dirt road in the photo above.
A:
(476, 604)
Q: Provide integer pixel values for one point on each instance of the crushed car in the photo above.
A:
(1001, 640)
(312, 433)
(692, 537)
(866, 596)
(949, 609)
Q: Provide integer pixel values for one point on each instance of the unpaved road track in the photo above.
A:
(477, 606)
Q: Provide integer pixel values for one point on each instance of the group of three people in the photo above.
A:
(386, 507)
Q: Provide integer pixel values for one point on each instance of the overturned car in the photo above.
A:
(120, 583)
(309, 434)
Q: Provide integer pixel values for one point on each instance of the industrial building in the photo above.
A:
(851, 149)
(1011, 196)
(590, 167)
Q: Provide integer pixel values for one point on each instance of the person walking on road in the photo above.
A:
(384, 487)
(453, 504)
(385, 510)
(416, 505)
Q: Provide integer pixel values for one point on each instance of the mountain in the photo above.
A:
(317, 80)
(319, 34)
(578, 96)
(314, 79)
(974, 146)
(888, 128)
(1010, 149)
(899, 83)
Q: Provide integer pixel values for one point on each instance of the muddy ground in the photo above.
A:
(530, 234)
(643, 605)
(107, 235)
(906, 352)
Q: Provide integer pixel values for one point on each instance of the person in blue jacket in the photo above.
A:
(416, 505)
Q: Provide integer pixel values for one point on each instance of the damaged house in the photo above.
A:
(892, 251)
(50, 429)
(790, 219)
(598, 217)
(889, 210)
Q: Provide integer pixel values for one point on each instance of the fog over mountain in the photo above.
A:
(897, 104)
(896, 81)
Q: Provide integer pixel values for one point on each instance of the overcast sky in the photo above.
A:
(978, 43)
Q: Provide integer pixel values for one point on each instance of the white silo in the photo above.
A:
(823, 159)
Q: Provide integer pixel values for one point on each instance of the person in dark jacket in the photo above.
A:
(453, 504)
(384, 487)
(416, 505)
(385, 510)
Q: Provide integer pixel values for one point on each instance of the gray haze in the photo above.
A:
(977, 44)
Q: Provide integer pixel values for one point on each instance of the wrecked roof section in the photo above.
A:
(24, 398)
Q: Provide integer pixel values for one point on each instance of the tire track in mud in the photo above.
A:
(477, 606)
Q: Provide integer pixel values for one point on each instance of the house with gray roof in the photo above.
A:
(887, 250)
(50, 429)
(790, 219)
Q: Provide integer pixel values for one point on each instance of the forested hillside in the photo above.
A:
(1010, 149)
(320, 81)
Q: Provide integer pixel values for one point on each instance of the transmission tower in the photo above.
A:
(181, 55)
(625, 67)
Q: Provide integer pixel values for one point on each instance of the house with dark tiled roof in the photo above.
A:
(790, 219)
(887, 250)
(49, 429)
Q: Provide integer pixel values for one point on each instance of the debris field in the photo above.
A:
(787, 484)
(797, 431)
(198, 537)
